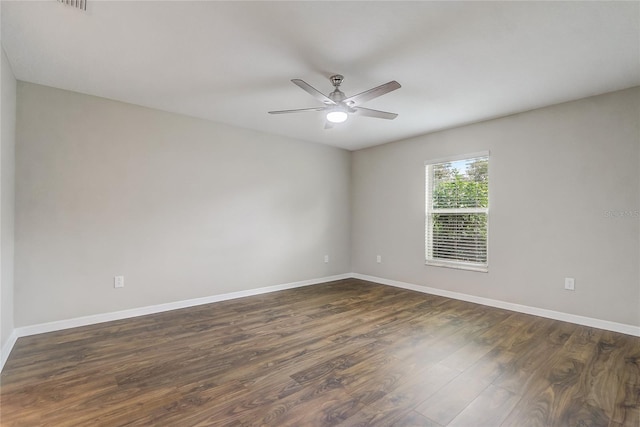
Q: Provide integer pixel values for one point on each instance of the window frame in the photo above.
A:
(456, 264)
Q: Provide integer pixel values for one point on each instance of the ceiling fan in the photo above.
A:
(338, 107)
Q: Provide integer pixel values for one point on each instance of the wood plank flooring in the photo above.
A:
(348, 353)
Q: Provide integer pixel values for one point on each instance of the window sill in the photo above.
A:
(459, 266)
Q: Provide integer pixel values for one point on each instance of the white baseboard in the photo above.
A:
(42, 328)
(7, 347)
(550, 314)
(135, 312)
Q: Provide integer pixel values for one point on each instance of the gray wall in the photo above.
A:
(7, 170)
(564, 202)
(183, 208)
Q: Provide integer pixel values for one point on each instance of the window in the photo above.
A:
(457, 211)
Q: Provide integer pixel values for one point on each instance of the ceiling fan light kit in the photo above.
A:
(337, 115)
(338, 107)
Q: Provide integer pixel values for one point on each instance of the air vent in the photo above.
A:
(78, 4)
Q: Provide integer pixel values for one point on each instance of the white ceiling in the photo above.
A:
(231, 62)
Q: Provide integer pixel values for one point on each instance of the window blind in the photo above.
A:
(457, 209)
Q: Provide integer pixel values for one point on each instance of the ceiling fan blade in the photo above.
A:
(313, 91)
(299, 110)
(372, 93)
(328, 125)
(374, 113)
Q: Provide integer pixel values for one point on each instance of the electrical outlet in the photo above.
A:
(118, 282)
(379, 259)
(570, 283)
(326, 258)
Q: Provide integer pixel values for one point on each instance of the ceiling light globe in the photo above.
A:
(336, 116)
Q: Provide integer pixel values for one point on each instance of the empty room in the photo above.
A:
(320, 213)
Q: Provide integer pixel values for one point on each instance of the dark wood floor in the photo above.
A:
(348, 353)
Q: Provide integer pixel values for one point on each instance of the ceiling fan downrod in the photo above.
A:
(337, 95)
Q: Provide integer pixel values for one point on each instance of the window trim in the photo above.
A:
(459, 265)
